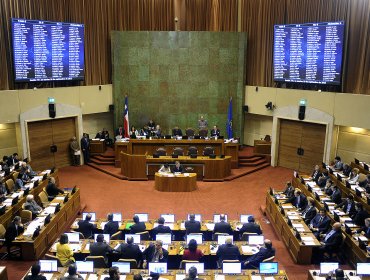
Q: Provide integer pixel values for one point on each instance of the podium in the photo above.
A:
(133, 167)
(175, 183)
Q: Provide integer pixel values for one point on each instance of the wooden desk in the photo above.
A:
(177, 183)
(311, 275)
(97, 147)
(33, 249)
(360, 167)
(300, 252)
(3, 273)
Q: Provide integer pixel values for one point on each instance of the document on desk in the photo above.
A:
(87, 247)
(219, 277)
(319, 278)
(287, 206)
(94, 276)
(309, 243)
(256, 277)
(306, 238)
(291, 217)
(297, 225)
(48, 276)
(312, 184)
(246, 249)
(269, 278)
(210, 226)
(213, 249)
(363, 238)
(180, 276)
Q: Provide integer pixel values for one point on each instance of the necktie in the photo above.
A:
(156, 256)
(298, 200)
(328, 235)
(320, 220)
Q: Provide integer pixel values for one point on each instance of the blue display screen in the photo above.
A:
(309, 53)
(47, 51)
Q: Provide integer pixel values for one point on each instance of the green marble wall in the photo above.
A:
(174, 77)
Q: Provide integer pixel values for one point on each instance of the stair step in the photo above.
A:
(99, 162)
(119, 176)
(252, 159)
(248, 156)
(102, 158)
(255, 163)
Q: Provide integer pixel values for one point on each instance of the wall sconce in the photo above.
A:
(269, 106)
(176, 24)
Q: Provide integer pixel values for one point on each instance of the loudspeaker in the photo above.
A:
(245, 108)
(53, 148)
(52, 110)
(111, 108)
(301, 113)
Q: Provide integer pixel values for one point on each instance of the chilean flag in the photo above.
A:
(126, 124)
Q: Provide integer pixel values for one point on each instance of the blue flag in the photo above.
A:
(229, 124)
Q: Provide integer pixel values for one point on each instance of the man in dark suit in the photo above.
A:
(86, 227)
(85, 147)
(177, 168)
(120, 132)
(329, 187)
(322, 179)
(316, 173)
(299, 200)
(360, 216)
(215, 132)
(111, 227)
(264, 253)
(227, 251)
(129, 250)
(155, 253)
(348, 206)
(100, 248)
(336, 196)
(161, 228)
(365, 230)
(223, 226)
(51, 189)
(192, 226)
(176, 131)
(310, 211)
(331, 242)
(346, 169)
(35, 273)
(14, 229)
(320, 223)
(289, 190)
(251, 226)
(137, 226)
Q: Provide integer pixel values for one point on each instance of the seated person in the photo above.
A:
(353, 177)
(133, 132)
(227, 251)
(137, 226)
(299, 200)
(31, 205)
(72, 273)
(158, 131)
(19, 184)
(3, 192)
(323, 178)
(100, 248)
(99, 135)
(161, 228)
(348, 205)
(144, 131)
(338, 164)
(192, 253)
(120, 132)
(165, 168)
(105, 136)
(316, 173)
(151, 125)
(222, 226)
(64, 251)
(264, 253)
(365, 230)
(114, 273)
(251, 227)
(111, 227)
(336, 196)
(26, 165)
(12, 159)
(310, 211)
(176, 131)
(192, 226)
(346, 169)
(328, 189)
(320, 223)
(177, 168)
(289, 190)
(51, 189)
(14, 229)
(215, 132)
(192, 274)
(86, 227)
(330, 242)
(360, 216)
(155, 253)
(129, 250)
(35, 273)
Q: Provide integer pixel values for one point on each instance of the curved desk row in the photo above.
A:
(175, 183)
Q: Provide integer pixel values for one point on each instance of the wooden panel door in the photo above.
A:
(289, 142)
(63, 131)
(40, 137)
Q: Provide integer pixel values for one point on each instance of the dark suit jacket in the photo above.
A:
(176, 132)
(310, 213)
(100, 249)
(334, 242)
(192, 227)
(86, 228)
(322, 226)
(37, 277)
(223, 227)
(85, 143)
(122, 133)
(139, 227)
(250, 227)
(228, 252)
(130, 251)
(262, 254)
(302, 201)
(111, 227)
(52, 189)
(316, 175)
(175, 169)
(148, 254)
(347, 171)
(366, 230)
(160, 229)
(12, 232)
(359, 217)
(289, 192)
(336, 197)
(322, 181)
(345, 205)
(215, 132)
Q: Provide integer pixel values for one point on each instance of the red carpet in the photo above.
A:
(103, 194)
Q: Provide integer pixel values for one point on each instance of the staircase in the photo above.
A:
(105, 163)
(252, 160)
(103, 159)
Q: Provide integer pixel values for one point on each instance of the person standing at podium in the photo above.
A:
(202, 123)
(177, 168)
(215, 132)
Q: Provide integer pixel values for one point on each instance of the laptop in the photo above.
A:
(73, 237)
(136, 237)
(363, 269)
(216, 218)
(326, 267)
(85, 266)
(256, 239)
(244, 218)
(159, 268)
(231, 268)
(197, 237)
(164, 237)
(93, 216)
(124, 267)
(198, 217)
(143, 217)
(221, 239)
(117, 217)
(198, 266)
(48, 265)
(106, 237)
(268, 268)
(168, 218)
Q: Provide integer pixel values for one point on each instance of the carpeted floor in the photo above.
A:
(102, 194)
